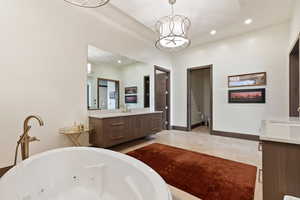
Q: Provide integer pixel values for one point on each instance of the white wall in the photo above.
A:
(133, 75)
(295, 24)
(106, 71)
(262, 50)
(43, 65)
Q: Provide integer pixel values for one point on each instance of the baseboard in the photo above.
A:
(223, 133)
(198, 124)
(179, 128)
(236, 135)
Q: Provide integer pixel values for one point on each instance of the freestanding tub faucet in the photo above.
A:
(25, 139)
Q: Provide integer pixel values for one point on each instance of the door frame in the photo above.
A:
(294, 77)
(145, 96)
(189, 90)
(88, 95)
(168, 72)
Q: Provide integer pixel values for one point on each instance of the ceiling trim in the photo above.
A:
(125, 23)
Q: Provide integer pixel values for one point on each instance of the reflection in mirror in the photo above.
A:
(115, 82)
(108, 94)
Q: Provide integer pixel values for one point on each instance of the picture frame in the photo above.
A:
(131, 99)
(247, 96)
(243, 80)
(131, 90)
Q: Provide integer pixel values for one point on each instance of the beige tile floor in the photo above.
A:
(200, 140)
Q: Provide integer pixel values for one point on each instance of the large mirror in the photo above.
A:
(115, 81)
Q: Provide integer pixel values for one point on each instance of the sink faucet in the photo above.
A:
(25, 139)
(126, 109)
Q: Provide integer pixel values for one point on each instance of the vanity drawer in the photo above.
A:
(156, 123)
(115, 131)
(150, 124)
(114, 122)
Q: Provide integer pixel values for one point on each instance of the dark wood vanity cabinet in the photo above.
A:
(108, 132)
(281, 170)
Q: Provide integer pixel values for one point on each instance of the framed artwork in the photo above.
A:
(243, 80)
(130, 90)
(131, 99)
(247, 96)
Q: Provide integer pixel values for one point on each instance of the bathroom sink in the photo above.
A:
(290, 122)
(286, 131)
(290, 198)
(285, 123)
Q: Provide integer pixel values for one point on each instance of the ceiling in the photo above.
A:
(225, 16)
(99, 57)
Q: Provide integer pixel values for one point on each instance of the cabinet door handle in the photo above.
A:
(117, 138)
(260, 177)
(117, 124)
(260, 146)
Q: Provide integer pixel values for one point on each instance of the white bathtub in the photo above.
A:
(82, 173)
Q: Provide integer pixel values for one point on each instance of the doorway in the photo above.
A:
(200, 99)
(294, 81)
(146, 91)
(162, 94)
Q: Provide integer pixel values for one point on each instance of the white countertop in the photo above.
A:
(281, 130)
(121, 114)
(291, 198)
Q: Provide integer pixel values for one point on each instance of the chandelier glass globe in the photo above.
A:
(173, 31)
(88, 3)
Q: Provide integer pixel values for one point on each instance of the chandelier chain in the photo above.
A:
(172, 6)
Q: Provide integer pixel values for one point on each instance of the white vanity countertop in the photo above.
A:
(282, 130)
(121, 114)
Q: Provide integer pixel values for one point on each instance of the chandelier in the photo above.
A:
(173, 31)
(88, 3)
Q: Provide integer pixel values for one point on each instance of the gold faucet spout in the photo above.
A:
(25, 138)
(26, 121)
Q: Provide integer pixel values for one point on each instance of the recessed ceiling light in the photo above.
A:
(213, 32)
(119, 61)
(248, 21)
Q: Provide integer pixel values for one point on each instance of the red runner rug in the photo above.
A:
(206, 177)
